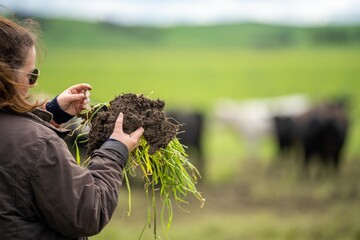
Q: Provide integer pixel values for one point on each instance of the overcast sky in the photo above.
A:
(172, 12)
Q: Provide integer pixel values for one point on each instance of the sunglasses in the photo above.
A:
(33, 76)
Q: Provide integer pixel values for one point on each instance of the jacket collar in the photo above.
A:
(44, 117)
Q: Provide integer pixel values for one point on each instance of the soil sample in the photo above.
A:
(138, 111)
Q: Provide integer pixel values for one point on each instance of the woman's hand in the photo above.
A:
(130, 140)
(74, 99)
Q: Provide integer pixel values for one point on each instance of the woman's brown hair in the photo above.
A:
(15, 43)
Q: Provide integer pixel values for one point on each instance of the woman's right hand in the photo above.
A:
(130, 140)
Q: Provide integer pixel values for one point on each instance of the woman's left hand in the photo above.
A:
(74, 99)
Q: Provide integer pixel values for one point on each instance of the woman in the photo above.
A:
(44, 194)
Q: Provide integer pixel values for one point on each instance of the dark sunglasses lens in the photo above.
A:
(33, 79)
(36, 71)
(34, 76)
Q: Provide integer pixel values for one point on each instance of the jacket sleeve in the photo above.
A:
(72, 200)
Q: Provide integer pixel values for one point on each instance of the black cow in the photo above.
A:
(320, 133)
(284, 130)
(324, 133)
(190, 134)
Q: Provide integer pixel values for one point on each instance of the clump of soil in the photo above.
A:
(138, 111)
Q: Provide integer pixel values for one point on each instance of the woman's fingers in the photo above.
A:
(137, 133)
(119, 123)
(80, 87)
(130, 140)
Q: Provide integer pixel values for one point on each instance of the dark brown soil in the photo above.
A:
(138, 111)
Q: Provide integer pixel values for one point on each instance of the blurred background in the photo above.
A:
(267, 92)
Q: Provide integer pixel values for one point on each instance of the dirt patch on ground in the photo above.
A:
(138, 111)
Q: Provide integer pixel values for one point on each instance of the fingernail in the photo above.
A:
(121, 114)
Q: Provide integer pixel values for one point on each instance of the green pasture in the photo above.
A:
(262, 203)
(192, 68)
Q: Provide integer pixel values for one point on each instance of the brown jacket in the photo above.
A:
(44, 194)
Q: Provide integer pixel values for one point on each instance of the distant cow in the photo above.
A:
(190, 134)
(285, 134)
(252, 118)
(324, 133)
(320, 133)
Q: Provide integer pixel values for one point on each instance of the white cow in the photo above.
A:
(253, 118)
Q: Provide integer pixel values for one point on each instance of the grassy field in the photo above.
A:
(272, 202)
(194, 67)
